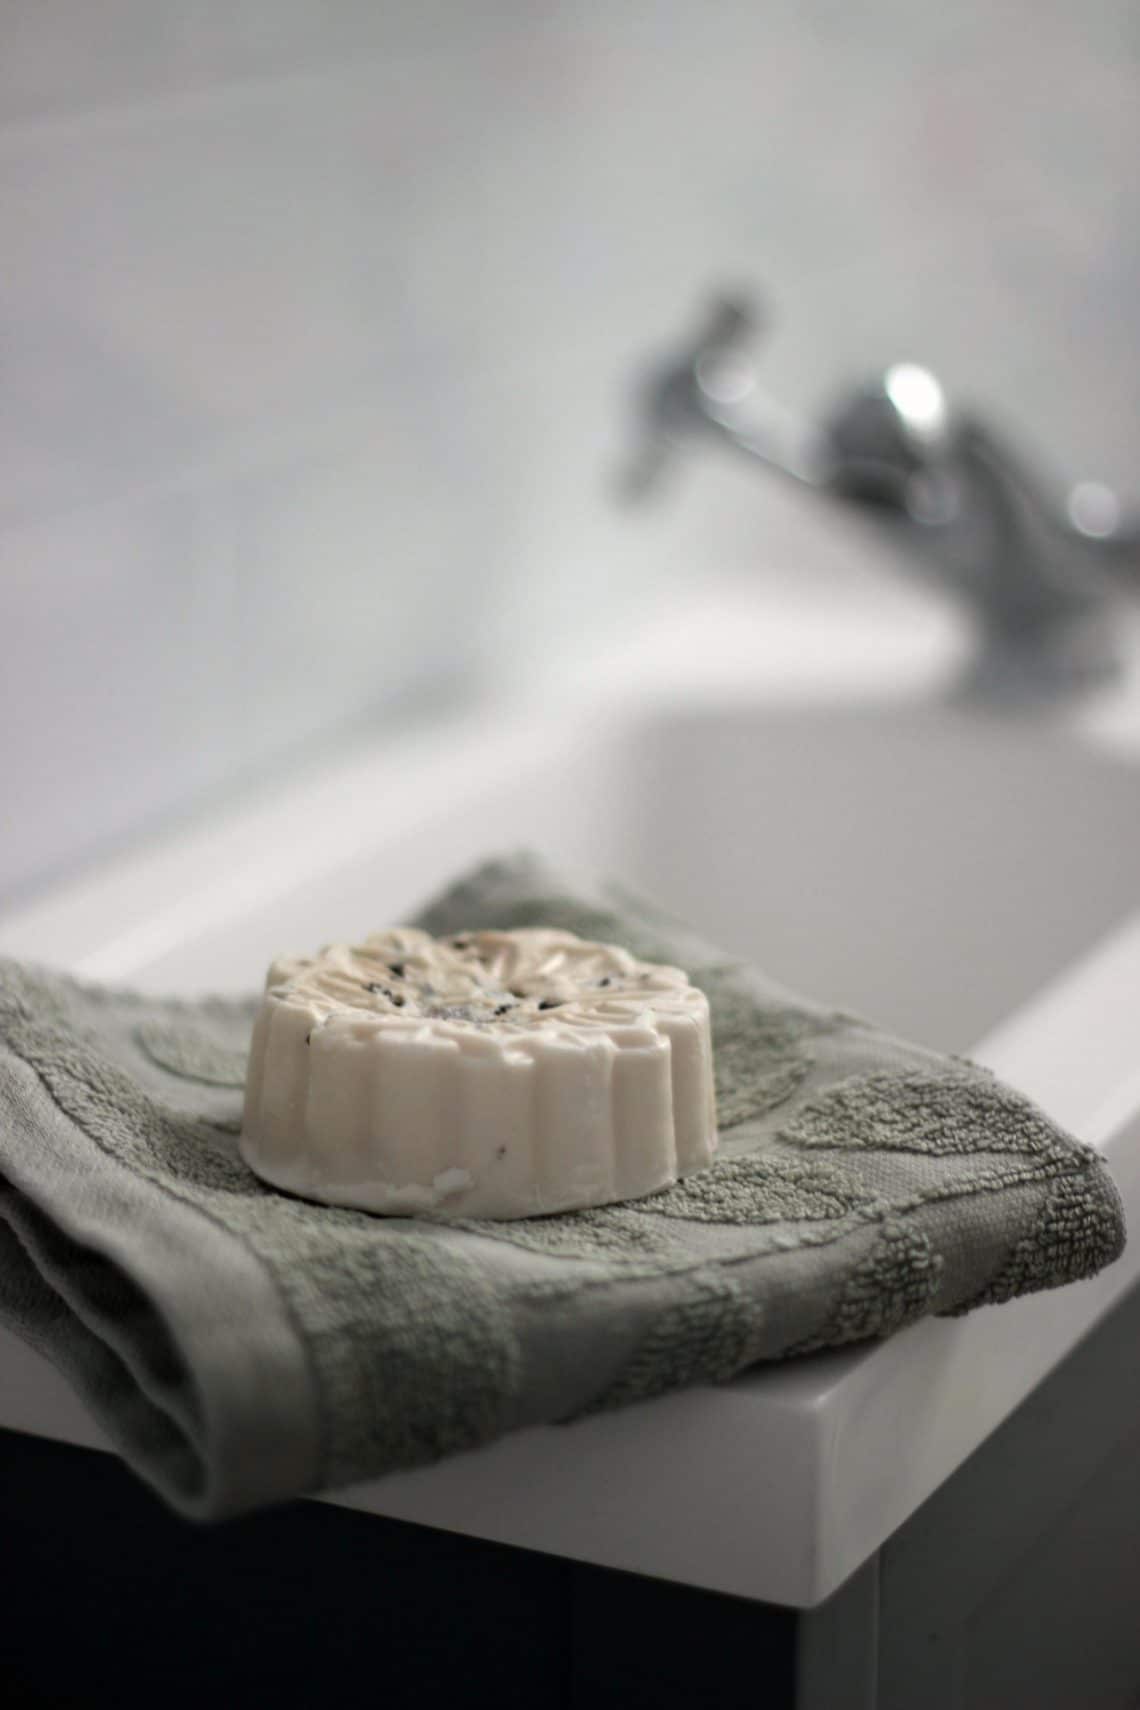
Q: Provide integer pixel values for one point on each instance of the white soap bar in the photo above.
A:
(489, 1074)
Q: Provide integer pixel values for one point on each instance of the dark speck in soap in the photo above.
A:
(550, 1003)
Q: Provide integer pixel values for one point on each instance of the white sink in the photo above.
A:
(927, 868)
(930, 869)
(970, 881)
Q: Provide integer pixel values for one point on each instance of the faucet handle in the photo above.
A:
(668, 399)
(709, 389)
(731, 323)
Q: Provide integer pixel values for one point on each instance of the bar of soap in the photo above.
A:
(488, 1074)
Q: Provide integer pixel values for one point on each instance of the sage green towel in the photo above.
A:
(240, 1346)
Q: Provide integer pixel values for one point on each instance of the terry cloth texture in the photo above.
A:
(240, 1346)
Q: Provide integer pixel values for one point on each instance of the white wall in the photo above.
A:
(315, 317)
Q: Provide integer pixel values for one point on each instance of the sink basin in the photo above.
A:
(924, 867)
(928, 869)
(968, 881)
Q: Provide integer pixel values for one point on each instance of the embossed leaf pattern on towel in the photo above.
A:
(760, 1055)
(1073, 1232)
(705, 1334)
(894, 1285)
(191, 1053)
(768, 1187)
(812, 1200)
(954, 1111)
(619, 1234)
(145, 1132)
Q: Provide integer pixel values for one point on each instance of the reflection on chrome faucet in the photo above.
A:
(1042, 577)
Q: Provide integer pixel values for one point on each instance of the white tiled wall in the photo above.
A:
(315, 317)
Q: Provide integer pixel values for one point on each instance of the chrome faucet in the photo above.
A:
(1042, 578)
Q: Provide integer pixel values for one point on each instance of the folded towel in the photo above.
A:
(240, 1346)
